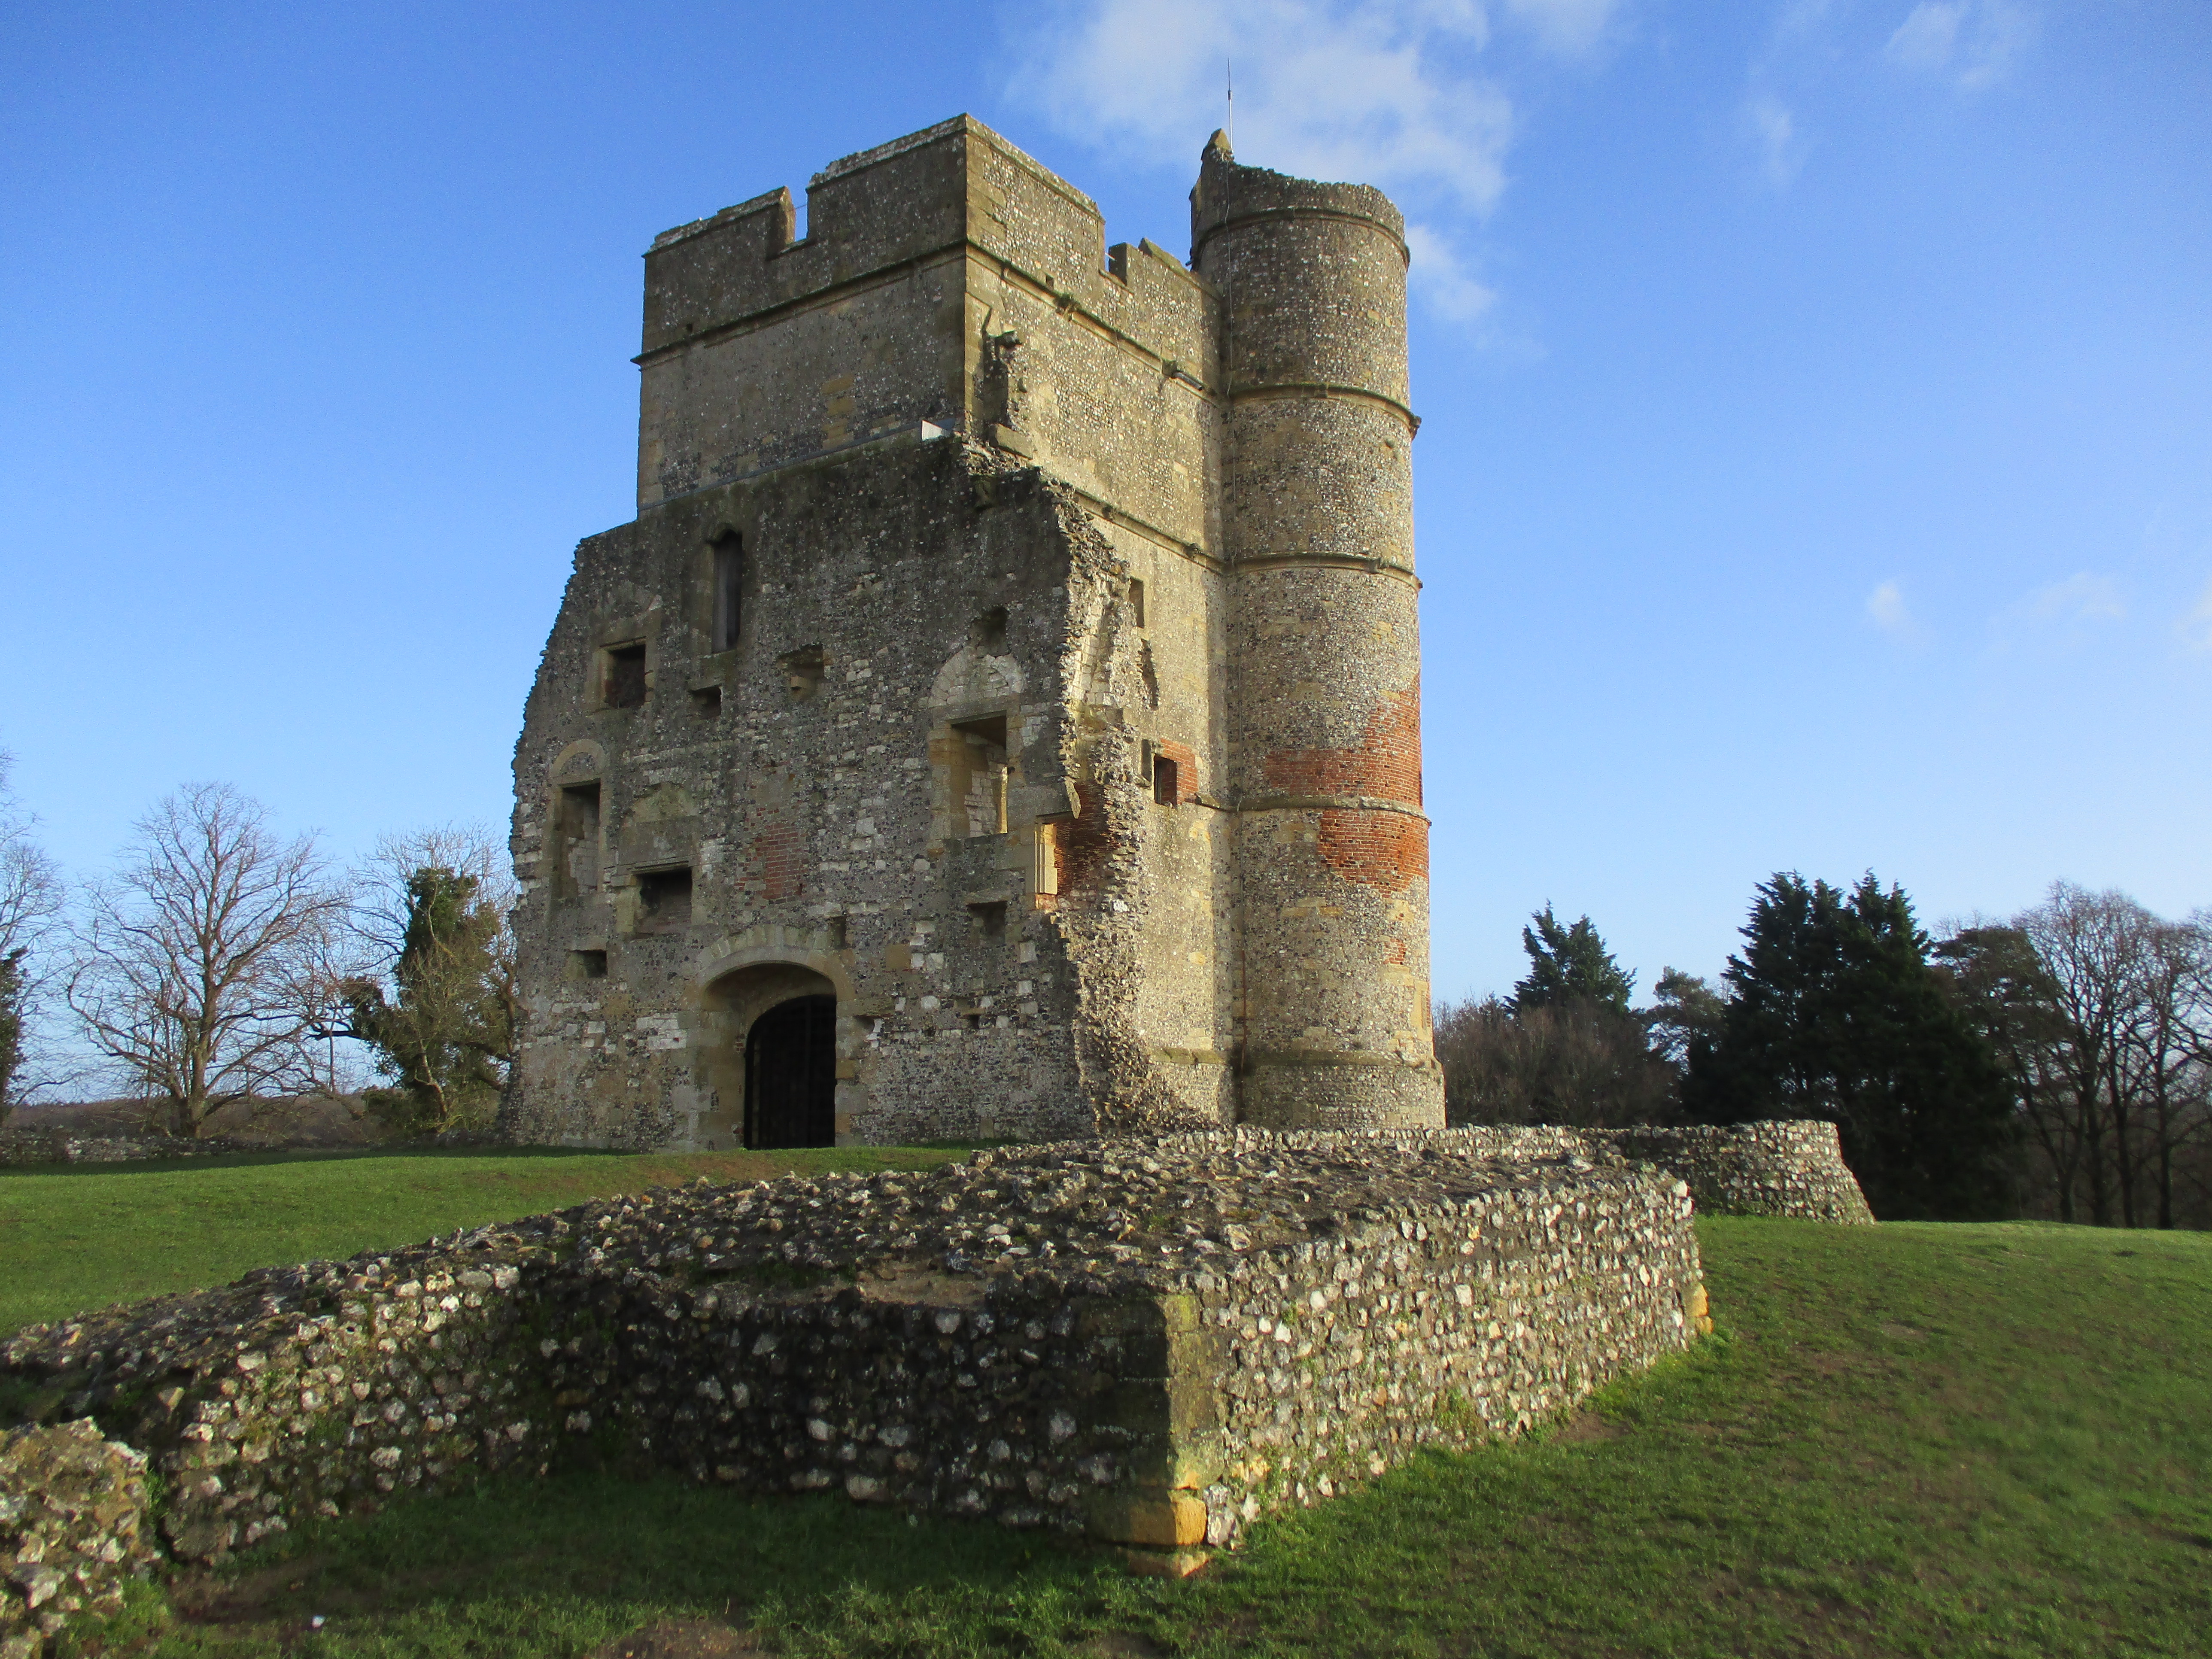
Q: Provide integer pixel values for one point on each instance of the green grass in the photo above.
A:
(1910, 1439)
(79, 1236)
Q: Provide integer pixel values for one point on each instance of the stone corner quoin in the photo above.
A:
(1002, 719)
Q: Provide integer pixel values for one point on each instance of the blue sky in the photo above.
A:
(1816, 470)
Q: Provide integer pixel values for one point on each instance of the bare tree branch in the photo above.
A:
(194, 969)
(31, 903)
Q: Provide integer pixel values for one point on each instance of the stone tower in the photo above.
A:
(1324, 668)
(1002, 718)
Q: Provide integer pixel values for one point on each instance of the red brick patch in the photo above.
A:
(1387, 763)
(1387, 851)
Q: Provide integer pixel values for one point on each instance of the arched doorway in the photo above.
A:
(791, 1074)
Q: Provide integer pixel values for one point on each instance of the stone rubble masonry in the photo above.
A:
(1154, 1341)
(1792, 1169)
(72, 1506)
(27, 1146)
(1011, 516)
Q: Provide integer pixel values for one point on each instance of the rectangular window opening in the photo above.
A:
(1137, 602)
(706, 701)
(979, 779)
(1163, 780)
(664, 900)
(835, 926)
(587, 964)
(729, 592)
(622, 675)
(576, 841)
(989, 921)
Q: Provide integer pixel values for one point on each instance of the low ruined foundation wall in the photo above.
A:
(1794, 1168)
(1157, 1342)
(20, 1147)
(1783, 1169)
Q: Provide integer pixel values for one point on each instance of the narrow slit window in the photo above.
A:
(1137, 603)
(729, 590)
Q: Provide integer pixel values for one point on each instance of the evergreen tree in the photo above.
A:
(1834, 1013)
(1568, 965)
(12, 990)
(443, 1026)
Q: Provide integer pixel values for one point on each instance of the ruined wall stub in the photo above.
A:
(1016, 645)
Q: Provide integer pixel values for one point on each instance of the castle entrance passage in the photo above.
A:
(791, 1075)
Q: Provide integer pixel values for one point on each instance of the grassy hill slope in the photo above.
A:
(1903, 1440)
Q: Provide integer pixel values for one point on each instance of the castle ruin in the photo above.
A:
(1002, 719)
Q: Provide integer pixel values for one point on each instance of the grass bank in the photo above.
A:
(1903, 1440)
(78, 1237)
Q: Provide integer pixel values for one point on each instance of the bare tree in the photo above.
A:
(432, 989)
(30, 911)
(1580, 1062)
(2090, 946)
(195, 969)
(2122, 1102)
(2165, 1041)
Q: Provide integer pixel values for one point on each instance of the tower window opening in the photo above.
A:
(576, 841)
(1137, 603)
(989, 920)
(1163, 780)
(979, 778)
(728, 597)
(988, 634)
(664, 900)
(706, 701)
(587, 964)
(622, 675)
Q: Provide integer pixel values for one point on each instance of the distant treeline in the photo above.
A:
(2055, 1065)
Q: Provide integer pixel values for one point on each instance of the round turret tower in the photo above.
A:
(1324, 648)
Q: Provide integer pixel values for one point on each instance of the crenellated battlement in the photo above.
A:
(945, 279)
(883, 211)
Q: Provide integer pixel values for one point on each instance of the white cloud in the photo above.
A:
(2061, 613)
(2081, 598)
(1886, 607)
(1566, 26)
(1971, 43)
(1775, 129)
(2196, 626)
(1440, 276)
(1382, 91)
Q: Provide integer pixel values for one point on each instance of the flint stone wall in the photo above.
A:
(1157, 1341)
(1790, 1167)
(72, 1506)
(27, 1146)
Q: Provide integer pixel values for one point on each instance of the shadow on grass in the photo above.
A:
(566, 1565)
